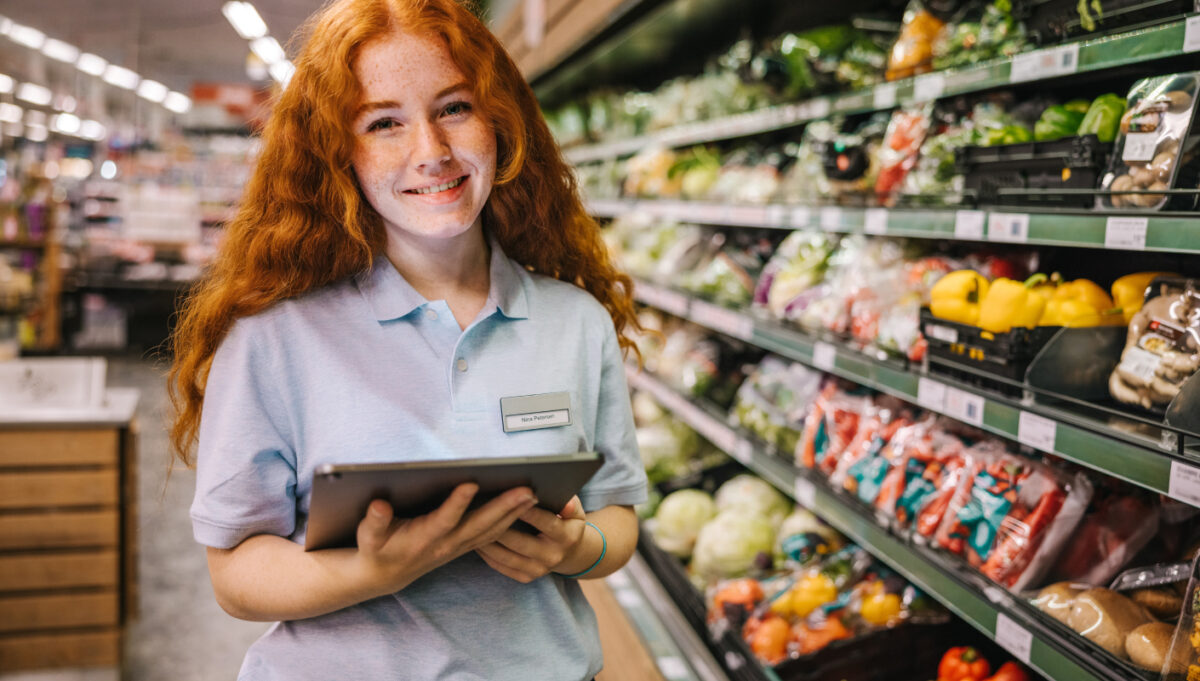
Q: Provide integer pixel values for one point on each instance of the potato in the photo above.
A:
(1105, 618)
(1164, 602)
(1056, 600)
(1149, 644)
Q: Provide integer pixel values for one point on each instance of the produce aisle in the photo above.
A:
(922, 299)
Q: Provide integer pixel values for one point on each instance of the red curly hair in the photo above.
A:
(303, 222)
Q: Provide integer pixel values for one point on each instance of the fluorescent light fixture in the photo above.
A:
(108, 170)
(282, 72)
(268, 49)
(6, 84)
(6, 25)
(121, 77)
(66, 123)
(36, 133)
(177, 102)
(91, 64)
(34, 94)
(245, 19)
(35, 117)
(65, 103)
(27, 36)
(14, 130)
(92, 130)
(152, 90)
(57, 49)
(10, 113)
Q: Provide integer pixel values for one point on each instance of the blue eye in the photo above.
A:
(456, 108)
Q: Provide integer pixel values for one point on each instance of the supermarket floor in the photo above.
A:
(180, 633)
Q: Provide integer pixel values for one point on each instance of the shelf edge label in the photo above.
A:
(824, 356)
(1191, 34)
(1185, 483)
(806, 492)
(875, 221)
(968, 224)
(721, 319)
(928, 86)
(1013, 637)
(931, 394)
(1036, 431)
(831, 218)
(964, 406)
(1008, 227)
(885, 95)
(1126, 233)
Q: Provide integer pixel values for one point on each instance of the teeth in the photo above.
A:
(439, 188)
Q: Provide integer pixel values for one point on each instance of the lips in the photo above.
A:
(438, 188)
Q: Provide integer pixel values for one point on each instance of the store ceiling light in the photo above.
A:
(35, 117)
(6, 84)
(34, 94)
(91, 64)
(66, 123)
(10, 113)
(6, 25)
(36, 133)
(268, 49)
(92, 130)
(153, 91)
(282, 72)
(177, 102)
(65, 103)
(60, 51)
(26, 35)
(121, 77)
(245, 19)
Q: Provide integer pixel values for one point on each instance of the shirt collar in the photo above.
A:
(390, 296)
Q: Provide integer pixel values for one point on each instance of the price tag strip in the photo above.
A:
(875, 221)
(664, 299)
(1013, 637)
(931, 394)
(824, 356)
(831, 218)
(1036, 431)
(728, 322)
(1185, 483)
(1128, 234)
(1191, 34)
(806, 492)
(964, 406)
(968, 224)
(1048, 63)
(1008, 227)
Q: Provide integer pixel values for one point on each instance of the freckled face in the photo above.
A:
(424, 156)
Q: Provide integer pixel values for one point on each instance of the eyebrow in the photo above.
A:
(392, 104)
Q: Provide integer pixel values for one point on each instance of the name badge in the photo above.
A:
(531, 412)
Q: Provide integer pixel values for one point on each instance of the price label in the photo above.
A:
(777, 216)
(885, 96)
(1058, 61)
(666, 300)
(728, 322)
(928, 87)
(1036, 431)
(1126, 233)
(968, 224)
(964, 406)
(1191, 34)
(1185, 483)
(743, 451)
(824, 356)
(749, 216)
(672, 667)
(875, 221)
(831, 218)
(801, 216)
(1013, 637)
(931, 394)
(1139, 146)
(1009, 227)
(942, 333)
(806, 492)
(819, 108)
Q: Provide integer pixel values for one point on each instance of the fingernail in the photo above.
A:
(531, 500)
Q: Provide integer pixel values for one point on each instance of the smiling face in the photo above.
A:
(424, 156)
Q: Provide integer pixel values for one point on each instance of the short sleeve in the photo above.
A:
(622, 479)
(245, 466)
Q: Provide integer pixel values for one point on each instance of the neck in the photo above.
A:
(455, 270)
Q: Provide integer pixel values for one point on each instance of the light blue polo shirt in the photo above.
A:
(366, 370)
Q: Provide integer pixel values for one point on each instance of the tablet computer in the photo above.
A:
(342, 492)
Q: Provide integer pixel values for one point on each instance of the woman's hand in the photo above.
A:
(394, 552)
(525, 557)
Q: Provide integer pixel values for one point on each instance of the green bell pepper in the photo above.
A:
(1009, 134)
(1057, 121)
(1103, 117)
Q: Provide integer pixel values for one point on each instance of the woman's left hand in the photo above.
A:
(525, 557)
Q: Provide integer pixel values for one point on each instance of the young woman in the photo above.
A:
(410, 249)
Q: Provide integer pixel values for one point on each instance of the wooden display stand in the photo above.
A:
(68, 535)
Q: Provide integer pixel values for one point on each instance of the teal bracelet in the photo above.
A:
(603, 550)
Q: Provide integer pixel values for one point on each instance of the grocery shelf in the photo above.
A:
(1155, 460)
(1164, 40)
(988, 608)
(1116, 230)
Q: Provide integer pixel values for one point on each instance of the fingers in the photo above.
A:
(375, 527)
(452, 510)
(511, 564)
(573, 510)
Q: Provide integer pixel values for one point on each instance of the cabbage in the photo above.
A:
(730, 544)
(679, 518)
(755, 496)
(667, 447)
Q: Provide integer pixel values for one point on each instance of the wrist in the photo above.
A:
(587, 560)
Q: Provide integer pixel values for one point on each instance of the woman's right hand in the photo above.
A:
(394, 552)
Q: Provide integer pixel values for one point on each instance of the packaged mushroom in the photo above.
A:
(1162, 347)
(1152, 143)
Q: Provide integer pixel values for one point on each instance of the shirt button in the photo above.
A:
(462, 364)
(430, 313)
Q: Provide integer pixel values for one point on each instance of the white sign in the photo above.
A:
(1058, 61)
(1036, 431)
(942, 333)
(1185, 483)
(816, 108)
(1139, 146)
(931, 394)
(1126, 233)
(806, 492)
(968, 224)
(831, 218)
(824, 356)
(1191, 34)
(52, 383)
(1013, 637)
(717, 318)
(1010, 227)
(875, 221)
(885, 95)
(746, 216)
(800, 216)
(964, 406)
(929, 86)
(743, 451)
(776, 216)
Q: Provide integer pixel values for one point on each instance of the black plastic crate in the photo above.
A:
(954, 347)
(1047, 167)
(1052, 21)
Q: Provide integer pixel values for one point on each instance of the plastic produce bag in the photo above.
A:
(1162, 347)
(1114, 530)
(912, 52)
(901, 145)
(772, 401)
(797, 266)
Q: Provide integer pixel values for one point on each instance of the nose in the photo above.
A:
(431, 148)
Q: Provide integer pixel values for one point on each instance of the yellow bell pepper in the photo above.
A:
(1129, 291)
(879, 607)
(1011, 303)
(956, 296)
(1080, 303)
(806, 595)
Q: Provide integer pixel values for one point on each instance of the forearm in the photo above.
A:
(620, 528)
